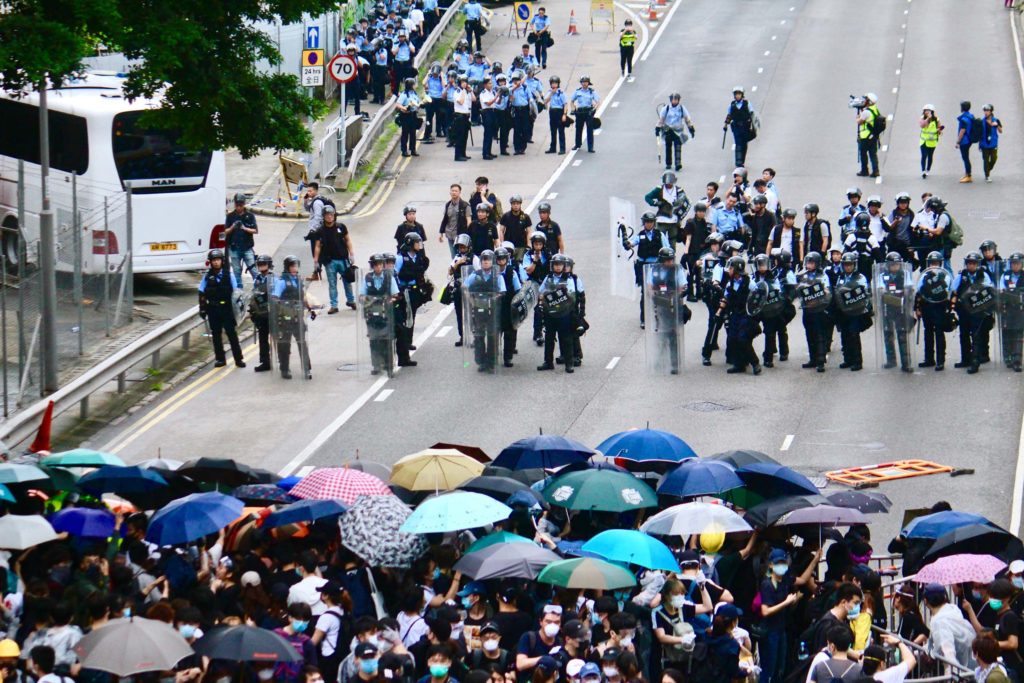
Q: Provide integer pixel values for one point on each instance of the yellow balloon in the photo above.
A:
(712, 540)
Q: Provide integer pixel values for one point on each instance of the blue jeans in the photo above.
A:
(334, 270)
(773, 656)
(237, 256)
(965, 154)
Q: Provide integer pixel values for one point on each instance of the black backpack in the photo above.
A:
(704, 666)
(977, 131)
(878, 124)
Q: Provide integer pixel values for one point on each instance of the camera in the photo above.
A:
(857, 102)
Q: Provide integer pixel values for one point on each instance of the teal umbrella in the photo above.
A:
(605, 490)
(586, 572)
(632, 547)
(7, 497)
(82, 457)
(455, 511)
(496, 537)
(16, 473)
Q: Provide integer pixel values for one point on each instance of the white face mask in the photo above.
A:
(678, 601)
(491, 645)
(610, 671)
(551, 630)
(626, 641)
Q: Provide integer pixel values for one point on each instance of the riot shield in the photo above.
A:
(934, 285)
(523, 303)
(1010, 287)
(979, 298)
(813, 289)
(557, 299)
(853, 294)
(239, 304)
(482, 293)
(287, 304)
(766, 299)
(664, 296)
(623, 225)
(375, 322)
(894, 316)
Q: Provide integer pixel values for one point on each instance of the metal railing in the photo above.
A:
(931, 667)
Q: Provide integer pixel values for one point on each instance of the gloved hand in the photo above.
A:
(693, 132)
(202, 313)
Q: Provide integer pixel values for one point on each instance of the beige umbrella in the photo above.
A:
(435, 469)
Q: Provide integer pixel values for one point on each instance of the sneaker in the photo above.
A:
(706, 362)
(987, 179)
(332, 310)
(967, 179)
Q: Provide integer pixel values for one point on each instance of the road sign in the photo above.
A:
(313, 58)
(524, 11)
(312, 76)
(312, 37)
(343, 68)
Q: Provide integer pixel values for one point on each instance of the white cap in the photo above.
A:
(738, 88)
(572, 669)
(251, 578)
(739, 171)
(929, 107)
(1017, 567)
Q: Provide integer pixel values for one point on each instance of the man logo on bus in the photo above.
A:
(165, 181)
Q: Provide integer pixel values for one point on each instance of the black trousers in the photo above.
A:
(896, 334)
(222, 323)
(673, 148)
(379, 75)
(474, 29)
(563, 327)
(816, 329)
(868, 150)
(290, 330)
(849, 337)
(557, 128)
(262, 324)
(521, 128)
(1013, 344)
(933, 317)
(715, 323)
(626, 59)
(508, 346)
(504, 128)
(971, 327)
(776, 338)
(435, 113)
(485, 349)
(408, 141)
(585, 118)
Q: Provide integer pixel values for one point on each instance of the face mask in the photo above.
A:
(187, 631)
(299, 626)
(368, 666)
(610, 671)
(861, 559)
(491, 645)
(467, 602)
(61, 575)
(1018, 582)
(677, 601)
(265, 674)
(374, 640)
(626, 640)
(223, 679)
(438, 670)
(551, 630)
(853, 612)
(976, 594)
(780, 569)
(995, 604)
(127, 612)
(437, 573)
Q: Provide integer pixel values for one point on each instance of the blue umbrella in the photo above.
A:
(5, 495)
(304, 511)
(84, 522)
(453, 512)
(773, 480)
(262, 494)
(640, 448)
(939, 523)
(288, 482)
(699, 478)
(194, 516)
(542, 451)
(633, 547)
(124, 481)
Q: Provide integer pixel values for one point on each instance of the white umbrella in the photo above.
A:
(21, 532)
(125, 647)
(694, 518)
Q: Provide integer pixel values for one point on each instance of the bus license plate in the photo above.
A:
(164, 246)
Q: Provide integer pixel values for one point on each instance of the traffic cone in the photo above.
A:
(572, 23)
(42, 441)
(652, 14)
(662, 3)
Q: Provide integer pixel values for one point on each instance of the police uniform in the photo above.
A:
(585, 101)
(580, 319)
(740, 119)
(485, 344)
(455, 271)
(971, 324)
(775, 338)
(1011, 288)
(647, 242)
(259, 311)
(537, 264)
(520, 101)
(666, 309)
(673, 121)
(513, 283)
(818, 327)
(741, 328)
(409, 121)
(288, 290)
(474, 27)
(851, 325)
(382, 286)
(730, 223)
(712, 271)
(787, 280)
(671, 204)
(215, 292)
(935, 285)
(411, 271)
(556, 110)
(379, 72)
(558, 323)
(895, 326)
(435, 108)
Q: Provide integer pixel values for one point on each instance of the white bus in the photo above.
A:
(178, 195)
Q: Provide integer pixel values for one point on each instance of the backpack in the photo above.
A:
(977, 131)
(704, 665)
(877, 125)
(833, 678)
(954, 231)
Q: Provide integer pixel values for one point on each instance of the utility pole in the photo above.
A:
(47, 252)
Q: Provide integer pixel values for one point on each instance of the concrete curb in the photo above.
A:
(358, 197)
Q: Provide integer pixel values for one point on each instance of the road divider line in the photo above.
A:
(787, 442)
(661, 30)
(612, 363)
(304, 471)
(443, 332)
(552, 195)
(383, 395)
(1016, 51)
(1018, 476)
(577, 162)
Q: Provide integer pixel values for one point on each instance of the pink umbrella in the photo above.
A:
(339, 483)
(961, 569)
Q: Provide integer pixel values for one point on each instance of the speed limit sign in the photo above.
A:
(342, 68)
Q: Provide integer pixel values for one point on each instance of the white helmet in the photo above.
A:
(738, 89)
(871, 97)
(929, 107)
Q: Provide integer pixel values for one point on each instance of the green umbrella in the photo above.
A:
(496, 537)
(82, 457)
(17, 473)
(605, 490)
(63, 480)
(586, 572)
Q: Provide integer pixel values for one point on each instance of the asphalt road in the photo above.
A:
(804, 58)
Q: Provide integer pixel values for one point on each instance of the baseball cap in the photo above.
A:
(548, 663)
(332, 588)
(365, 650)
(590, 669)
(490, 627)
(778, 555)
(473, 588)
(728, 610)
(689, 557)
(573, 628)
(611, 654)
(934, 589)
(1017, 567)
(251, 578)
(573, 667)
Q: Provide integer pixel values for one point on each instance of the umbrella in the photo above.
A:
(262, 495)
(766, 513)
(499, 488)
(600, 490)
(528, 476)
(455, 511)
(960, 569)
(5, 495)
(245, 644)
(339, 483)
(21, 532)
(542, 451)
(288, 483)
(496, 537)
(219, 471)
(194, 516)
(126, 647)
(303, 511)
(699, 478)
(773, 480)
(434, 469)
(637, 448)
(162, 464)
(825, 515)
(377, 469)
(11, 473)
(587, 572)
(81, 457)
(694, 518)
(370, 529)
(124, 481)
(939, 523)
(633, 547)
(84, 522)
(506, 560)
(742, 458)
(475, 452)
(866, 501)
(976, 539)
(61, 479)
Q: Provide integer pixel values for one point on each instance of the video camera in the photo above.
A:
(857, 102)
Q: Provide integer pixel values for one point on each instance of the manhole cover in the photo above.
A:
(710, 406)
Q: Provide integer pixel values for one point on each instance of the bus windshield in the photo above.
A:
(153, 161)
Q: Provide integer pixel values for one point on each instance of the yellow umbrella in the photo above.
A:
(435, 469)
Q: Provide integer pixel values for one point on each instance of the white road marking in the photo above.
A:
(895, 90)
(903, 26)
(792, 8)
(783, 22)
(878, 180)
(885, 148)
(760, 69)
(304, 471)
(597, 132)
(787, 442)
(774, 37)
(383, 395)
(552, 195)
(899, 55)
(1020, 73)
(615, 105)
(577, 162)
(753, 89)
(767, 52)
(898, 72)
(721, 179)
(734, 146)
(661, 30)
(443, 332)
(612, 363)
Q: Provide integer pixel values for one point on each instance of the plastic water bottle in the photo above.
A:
(802, 654)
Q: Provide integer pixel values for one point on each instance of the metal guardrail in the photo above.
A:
(23, 424)
(372, 131)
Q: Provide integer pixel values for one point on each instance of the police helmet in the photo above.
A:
(515, 199)
(715, 238)
(700, 206)
(410, 83)
(935, 204)
(265, 259)
(902, 197)
(537, 236)
(502, 254)
(1016, 257)
(987, 245)
(376, 258)
(501, 78)
(732, 246)
(648, 217)
(328, 209)
(848, 258)
(463, 44)
(893, 257)
(496, 67)
(783, 257)
(463, 240)
(813, 257)
(569, 262)
(675, 96)
(389, 257)
(487, 255)
(874, 200)
(668, 178)
(483, 206)
(543, 207)
(517, 75)
(738, 89)
(559, 258)
(853, 192)
(789, 213)
(478, 55)
(739, 171)
(762, 260)
(972, 256)
(862, 220)
(463, 78)
(666, 254)
(215, 253)
(935, 257)
(555, 80)
(759, 199)
(737, 264)
(835, 248)
(291, 260)
(435, 68)
(239, 198)
(584, 79)
(412, 238)
(811, 208)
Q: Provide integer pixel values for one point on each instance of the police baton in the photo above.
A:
(917, 341)
(725, 131)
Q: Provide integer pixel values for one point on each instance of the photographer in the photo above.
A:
(867, 132)
(931, 129)
(408, 107)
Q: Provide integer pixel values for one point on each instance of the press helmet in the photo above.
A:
(789, 213)
(902, 197)
(543, 207)
(700, 206)
(811, 208)
(515, 199)
(668, 178)
(935, 204)
(874, 200)
(760, 200)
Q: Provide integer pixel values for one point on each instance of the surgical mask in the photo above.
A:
(438, 670)
(780, 569)
(853, 612)
(491, 645)
(1018, 582)
(467, 602)
(299, 626)
(187, 631)
(551, 630)
(677, 601)
(368, 666)
(861, 559)
(610, 671)
(995, 604)
(627, 639)
(265, 674)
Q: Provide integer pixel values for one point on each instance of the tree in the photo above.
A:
(199, 55)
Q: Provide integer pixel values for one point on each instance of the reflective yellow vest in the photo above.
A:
(865, 127)
(930, 134)
(627, 39)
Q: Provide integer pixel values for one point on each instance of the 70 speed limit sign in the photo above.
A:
(343, 68)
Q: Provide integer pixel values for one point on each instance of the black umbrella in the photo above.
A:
(245, 644)
(220, 471)
(527, 476)
(767, 513)
(499, 488)
(976, 539)
(865, 501)
(743, 457)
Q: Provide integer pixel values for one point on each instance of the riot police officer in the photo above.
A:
(932, 309)
(1011, 310)
(771, 302)
(740, 328)
(216, 292)
(863, 245)
(671, 203)
(782, 267)
(411, 271)
(463, 258)
(695, 233)
(894, 290)
(853, 309)
(536, 263)
(289, 306)
(580, 314)
(513, 283)
(815, 292)
(377, 293)
(551, 230)
(669, 311)
(484, 287)
(647, 242)
(992, 262)
(410, 224)
(557, 300)
(673, 123)
(973, 298)
(712, 278)
(259, 308)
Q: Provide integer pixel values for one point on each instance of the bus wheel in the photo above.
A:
(10, 242)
